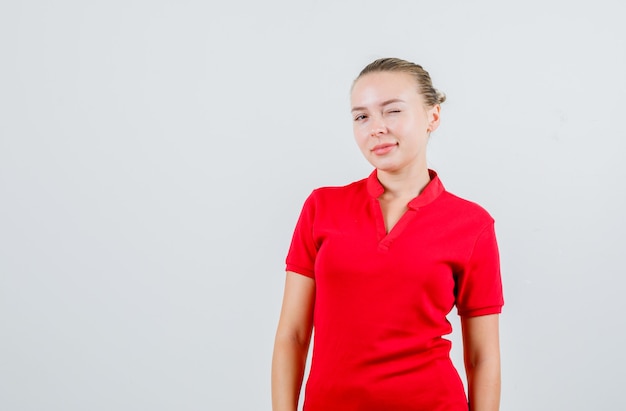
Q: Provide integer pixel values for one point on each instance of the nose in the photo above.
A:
(378, 126)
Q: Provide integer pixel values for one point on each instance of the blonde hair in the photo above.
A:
(431, 95)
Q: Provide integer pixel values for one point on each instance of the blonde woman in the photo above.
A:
(375, 266)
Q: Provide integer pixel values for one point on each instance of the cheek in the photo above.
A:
(360, 139)
(405, 126)
(397, 124)
(358, 131)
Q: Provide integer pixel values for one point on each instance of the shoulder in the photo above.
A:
(335, 193)
(465, 209)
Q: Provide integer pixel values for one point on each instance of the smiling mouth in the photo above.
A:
(382, 149)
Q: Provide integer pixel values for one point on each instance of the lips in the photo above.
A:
(382, 149)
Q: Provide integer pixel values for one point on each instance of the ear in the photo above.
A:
(433, 117)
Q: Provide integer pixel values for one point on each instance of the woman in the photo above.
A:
(375, 266)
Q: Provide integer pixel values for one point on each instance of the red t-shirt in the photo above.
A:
(382, 299)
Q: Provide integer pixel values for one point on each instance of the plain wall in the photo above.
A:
(154, 156)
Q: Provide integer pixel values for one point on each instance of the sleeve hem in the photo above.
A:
(477, 312)
(300, 270)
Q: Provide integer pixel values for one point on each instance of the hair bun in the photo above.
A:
(441, 96)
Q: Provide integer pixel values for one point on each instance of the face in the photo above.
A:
(391, 123)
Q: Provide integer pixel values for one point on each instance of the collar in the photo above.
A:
(425, 197)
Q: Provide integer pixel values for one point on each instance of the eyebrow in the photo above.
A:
(383, 104)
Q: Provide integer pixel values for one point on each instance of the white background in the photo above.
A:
(154, 156)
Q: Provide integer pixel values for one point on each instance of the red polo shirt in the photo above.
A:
(382, 299)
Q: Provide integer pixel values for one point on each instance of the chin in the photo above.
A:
(386, 167)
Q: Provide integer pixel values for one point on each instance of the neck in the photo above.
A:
(404, 183)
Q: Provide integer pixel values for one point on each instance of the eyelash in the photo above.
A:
(363, 116)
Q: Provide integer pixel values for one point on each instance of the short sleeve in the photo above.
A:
(303, 249)
(479, 284)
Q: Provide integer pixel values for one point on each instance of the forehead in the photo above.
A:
(376, 87)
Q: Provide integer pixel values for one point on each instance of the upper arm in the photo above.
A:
(481, 338)
(296, 316)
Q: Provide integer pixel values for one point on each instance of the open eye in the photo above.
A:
(360, 117)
